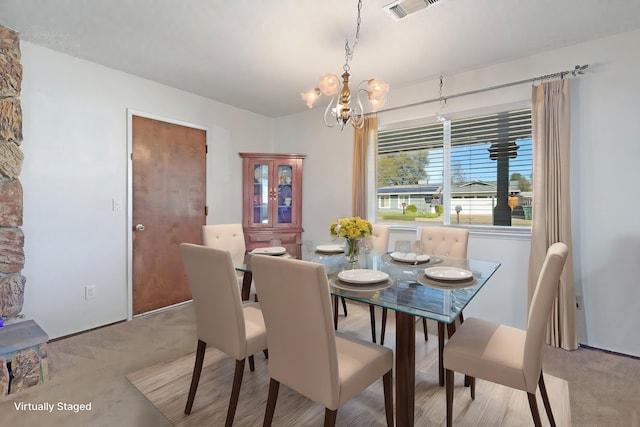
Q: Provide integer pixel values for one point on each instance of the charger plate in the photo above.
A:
(369, 287)
(458, 284)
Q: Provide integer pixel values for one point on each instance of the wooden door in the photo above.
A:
(169, 174)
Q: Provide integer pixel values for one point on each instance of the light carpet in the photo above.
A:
(166, 385)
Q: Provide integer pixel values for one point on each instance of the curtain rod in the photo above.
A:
(578, 70)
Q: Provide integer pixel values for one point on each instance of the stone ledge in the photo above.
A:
(20, 335)
(23, 356)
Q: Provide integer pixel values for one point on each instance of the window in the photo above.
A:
(473, 171)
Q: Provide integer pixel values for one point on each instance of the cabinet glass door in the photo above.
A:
(285, 195)
(261, 194)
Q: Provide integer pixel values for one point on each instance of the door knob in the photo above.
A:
(139, 227)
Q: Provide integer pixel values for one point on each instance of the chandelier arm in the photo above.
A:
(357, 116)
(359, 101)
(360, 90)
(326, 113)
(358, 124)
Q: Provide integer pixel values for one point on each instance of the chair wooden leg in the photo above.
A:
(274, 386)
(252, 365)
(335, 313)
(330, 417)
(344, 306)
(372, 316)
(424, 326)
(545, 399)
(235, 392)
(195, 378)
(387, 385)
(383, 325)
(449, 394)
(533, 405)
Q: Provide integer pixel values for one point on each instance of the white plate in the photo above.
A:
(363, 276)
(409, 257)
(272, 250)
(330, 249)
(447, 273)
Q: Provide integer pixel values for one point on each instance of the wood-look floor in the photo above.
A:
(91, 368)
(166, 385)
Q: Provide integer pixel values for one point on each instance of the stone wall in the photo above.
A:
(11, 237)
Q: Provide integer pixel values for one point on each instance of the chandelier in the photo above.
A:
(339, 112)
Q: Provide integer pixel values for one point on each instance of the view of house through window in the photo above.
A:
(472, 171)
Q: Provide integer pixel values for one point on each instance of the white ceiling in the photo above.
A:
(260, 54)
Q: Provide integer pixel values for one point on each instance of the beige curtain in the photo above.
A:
(362, 139)
(551, 204)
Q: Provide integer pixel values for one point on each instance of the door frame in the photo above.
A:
(130, 114)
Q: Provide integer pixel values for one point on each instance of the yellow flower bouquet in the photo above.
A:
(352, 229)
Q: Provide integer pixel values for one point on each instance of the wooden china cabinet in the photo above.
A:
(272, 200)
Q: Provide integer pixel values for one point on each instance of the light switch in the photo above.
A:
(116, 204)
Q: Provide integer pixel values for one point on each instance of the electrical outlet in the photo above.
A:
(89, 292)
(578, 303)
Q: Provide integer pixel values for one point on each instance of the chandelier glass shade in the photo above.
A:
(339, 112)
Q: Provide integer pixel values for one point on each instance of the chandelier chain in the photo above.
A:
(348, 50)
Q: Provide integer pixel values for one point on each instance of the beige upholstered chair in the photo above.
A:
(305, 353)
(506, 355)
(228, 237)
(379, 239)
(446, 241)
(222, 320)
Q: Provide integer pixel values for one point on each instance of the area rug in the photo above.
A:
(166, 385)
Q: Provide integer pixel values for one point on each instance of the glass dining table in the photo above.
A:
(410, 293)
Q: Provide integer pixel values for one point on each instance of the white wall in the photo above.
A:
(605, 152)
(75, 146)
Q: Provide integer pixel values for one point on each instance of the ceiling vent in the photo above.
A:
(400, 9)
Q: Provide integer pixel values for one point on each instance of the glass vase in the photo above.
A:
(352, 249)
